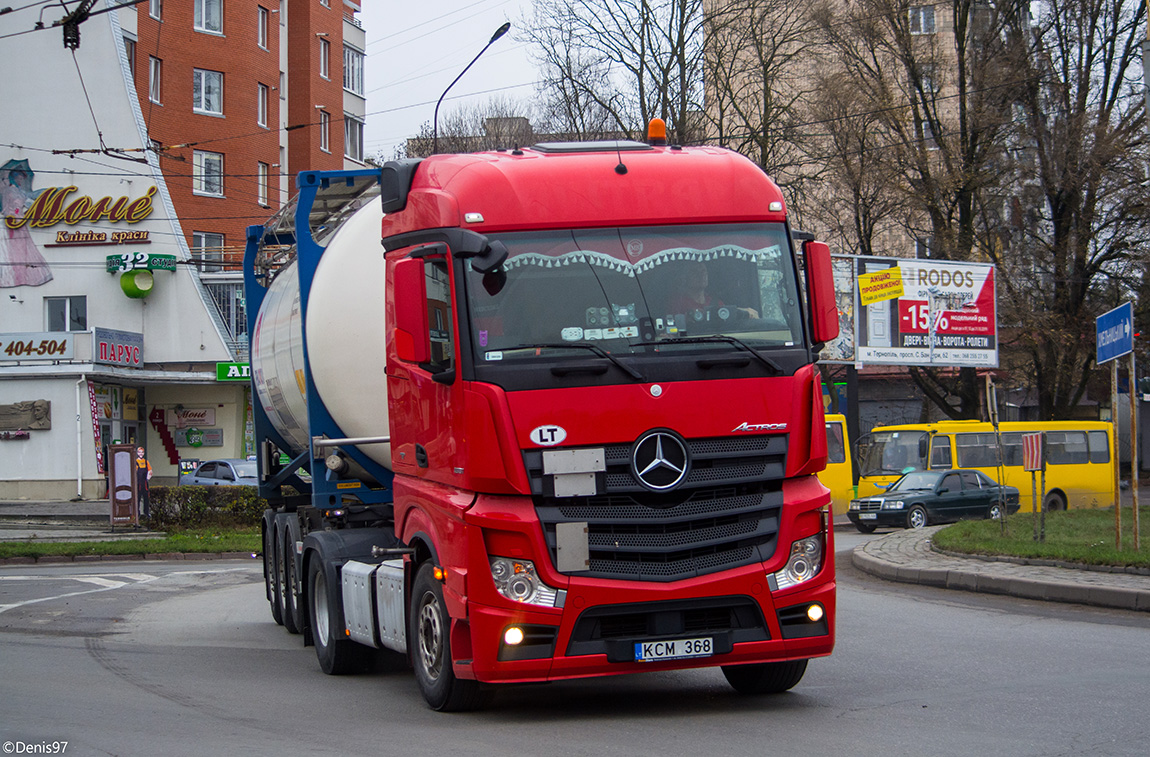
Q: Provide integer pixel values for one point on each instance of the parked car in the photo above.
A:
(925, 497)
(222, 473)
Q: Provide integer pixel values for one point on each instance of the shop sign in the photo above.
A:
(53, 206)
(137, 261)
(90, 238)
(113, 347)
(131, 404)
(199, 437)
(41, 345)
(233, 372)
(189, 417)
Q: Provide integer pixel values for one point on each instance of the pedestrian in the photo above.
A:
(143, 476)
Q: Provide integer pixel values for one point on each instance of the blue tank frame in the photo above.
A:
(326, 489)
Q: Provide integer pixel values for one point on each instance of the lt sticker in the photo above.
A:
(548, 436)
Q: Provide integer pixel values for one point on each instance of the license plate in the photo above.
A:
(868, 516)
(675, 649)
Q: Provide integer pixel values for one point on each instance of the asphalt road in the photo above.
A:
(183, 659)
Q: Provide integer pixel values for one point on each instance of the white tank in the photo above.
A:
(345, 336)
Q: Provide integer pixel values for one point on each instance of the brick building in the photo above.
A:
(130, 164)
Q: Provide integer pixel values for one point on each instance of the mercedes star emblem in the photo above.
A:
(659, 460)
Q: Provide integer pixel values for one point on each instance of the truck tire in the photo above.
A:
(337, 655)
(292, 612)
(429, 639)
(271, 579)
(766, 677)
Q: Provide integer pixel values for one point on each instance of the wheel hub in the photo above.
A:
(430, 637)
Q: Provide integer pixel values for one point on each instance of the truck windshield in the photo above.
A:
(634, 290)
(885, 453)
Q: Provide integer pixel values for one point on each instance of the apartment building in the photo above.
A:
(132, 157)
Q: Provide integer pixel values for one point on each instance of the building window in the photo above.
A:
(156, 9)
(283, 85)
(229, 299)
(262, 180)
(923, 246)
(208, 251)
(208, 92)
(209, 16)
(262, 105)
(66, 313)
(262, 26)
(325, 59)
(208, 173)
(352, 137)
(155, 74)
(130, 52)
(283, 12)
(353, 70)
(325, 131)
(927, 135)
(922, 19)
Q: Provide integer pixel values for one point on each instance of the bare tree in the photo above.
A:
(761, 65)
(499, 123)
(620, 63)
(939, 81)
(1080, 215)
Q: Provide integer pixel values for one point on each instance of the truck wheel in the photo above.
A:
(765, 677)
(430, 644)
(292, 615)
(337, 655)
(271, 577)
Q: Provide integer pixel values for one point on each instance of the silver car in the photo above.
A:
(222, 473)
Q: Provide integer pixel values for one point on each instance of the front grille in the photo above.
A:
(869, 505)
(724, 515)
(612, 629)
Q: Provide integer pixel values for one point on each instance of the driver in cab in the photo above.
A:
(694, 301)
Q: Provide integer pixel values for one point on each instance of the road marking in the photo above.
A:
(103, 582)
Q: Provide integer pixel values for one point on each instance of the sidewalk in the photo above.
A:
(907, 556)
(86, 520)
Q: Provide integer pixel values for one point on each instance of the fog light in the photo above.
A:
(815, 613)
(513, 636)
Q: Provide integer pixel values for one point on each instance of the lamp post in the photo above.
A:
(435, 120)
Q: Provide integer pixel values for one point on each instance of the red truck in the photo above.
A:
(545, 413)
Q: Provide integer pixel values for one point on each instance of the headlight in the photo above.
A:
(854, 505)
(805, 562)
(896, 504)
(516, 580)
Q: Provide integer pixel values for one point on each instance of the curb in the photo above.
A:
(188, 556)
(986, 581)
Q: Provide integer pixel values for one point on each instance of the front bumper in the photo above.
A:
(595, 633)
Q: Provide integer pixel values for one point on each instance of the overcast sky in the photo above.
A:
(416, 47)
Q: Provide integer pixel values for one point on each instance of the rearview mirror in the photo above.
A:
(412, 341)
(821, 292)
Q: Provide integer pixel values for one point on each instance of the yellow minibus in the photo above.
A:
(838, 476)
(1079, 457)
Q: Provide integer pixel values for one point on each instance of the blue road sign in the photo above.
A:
(1115, 333)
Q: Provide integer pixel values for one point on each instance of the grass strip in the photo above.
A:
(241, 539)
(1076, 536)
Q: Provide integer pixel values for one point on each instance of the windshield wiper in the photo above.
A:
(582, 346)
(716, 338)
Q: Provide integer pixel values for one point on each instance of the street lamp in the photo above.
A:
(435, 120)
